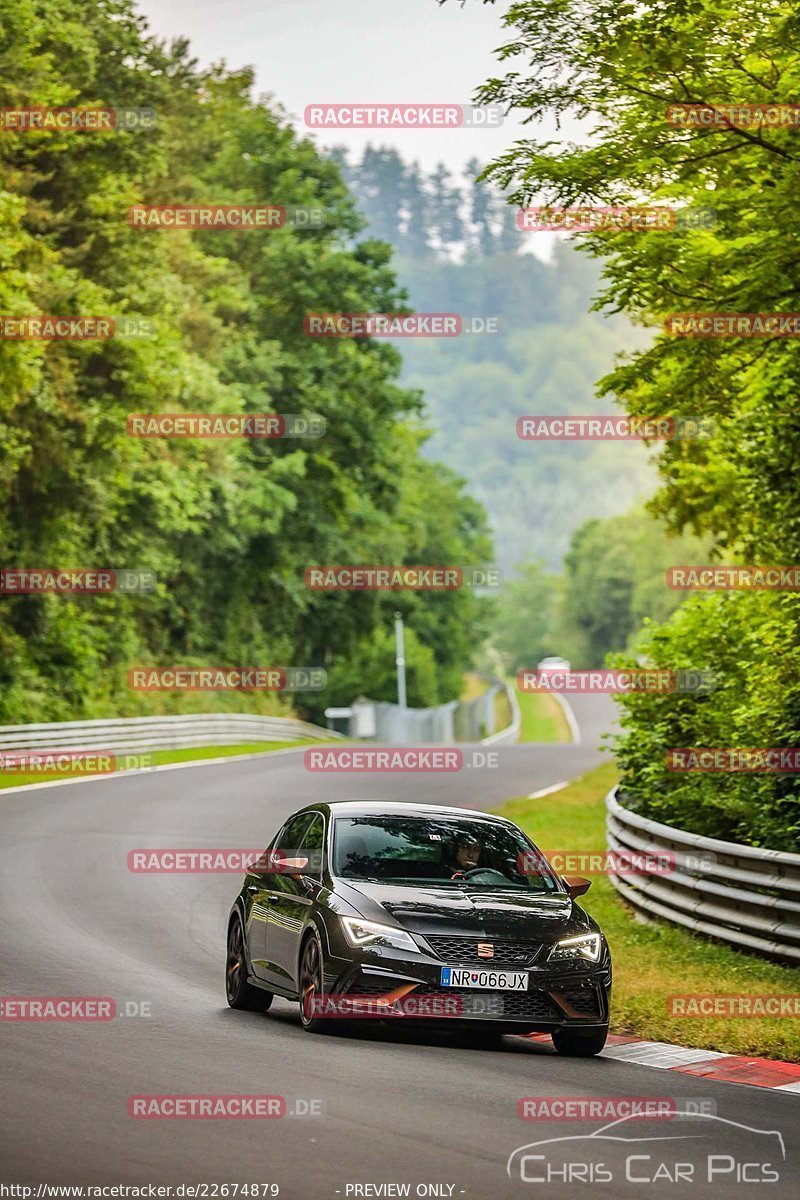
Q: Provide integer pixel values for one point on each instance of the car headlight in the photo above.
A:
(369, 933)
(586, 946)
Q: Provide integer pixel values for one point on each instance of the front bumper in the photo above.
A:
(559, 995)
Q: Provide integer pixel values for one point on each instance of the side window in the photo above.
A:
(287, 845)
(290, 839)
(260, 863)
(313, 846)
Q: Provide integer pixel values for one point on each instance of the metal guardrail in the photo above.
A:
(396, 726)
(158, 733)
(510, 735)
(456, 721)
(739, 894)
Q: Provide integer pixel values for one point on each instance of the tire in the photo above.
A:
(574, 1043)
(310, 985)
(241, 994)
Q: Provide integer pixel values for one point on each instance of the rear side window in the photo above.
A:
(290, 839)
(313, 846)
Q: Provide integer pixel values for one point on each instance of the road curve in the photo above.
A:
(396, 1107)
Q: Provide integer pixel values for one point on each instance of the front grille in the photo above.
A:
(534, 1004)
(463, 951)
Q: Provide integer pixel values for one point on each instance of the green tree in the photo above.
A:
(618, 69)
(614, 581)
(524, 617)
(372, 671)
(228, 527)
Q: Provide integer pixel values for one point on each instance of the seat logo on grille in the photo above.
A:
(485, 950)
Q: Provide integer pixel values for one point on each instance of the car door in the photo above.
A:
(290, 901)
(261, 888)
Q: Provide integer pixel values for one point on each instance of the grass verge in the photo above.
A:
(474, 685)
(155, 758)
(502, 711)
(653, 961)
(541, 718)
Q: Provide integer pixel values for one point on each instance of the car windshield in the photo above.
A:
(419, 851)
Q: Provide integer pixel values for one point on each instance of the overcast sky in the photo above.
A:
(347, 51)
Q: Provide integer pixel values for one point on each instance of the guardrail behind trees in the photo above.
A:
(458, 721)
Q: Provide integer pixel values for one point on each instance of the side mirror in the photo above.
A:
(576, 885)
(271, 862)
(293, 867)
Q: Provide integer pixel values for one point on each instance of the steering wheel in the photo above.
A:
(489, 875)
(468, 874)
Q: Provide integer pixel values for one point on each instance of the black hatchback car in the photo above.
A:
(368, 909)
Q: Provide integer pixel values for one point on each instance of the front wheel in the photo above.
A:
(239, 992)
(311, 984)
(574, 1043)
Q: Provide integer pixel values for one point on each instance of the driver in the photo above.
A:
(465, 850)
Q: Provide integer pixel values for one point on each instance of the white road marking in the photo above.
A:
(548, 791)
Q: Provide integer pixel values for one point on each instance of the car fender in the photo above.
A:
(238, 908)
(310, 927)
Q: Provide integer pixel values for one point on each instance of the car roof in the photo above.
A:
(398, 808)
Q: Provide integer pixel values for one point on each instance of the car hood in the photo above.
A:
(461, 911)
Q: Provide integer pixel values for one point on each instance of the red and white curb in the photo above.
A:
(710, 1064)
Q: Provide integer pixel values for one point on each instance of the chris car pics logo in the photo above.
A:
(699, 1149)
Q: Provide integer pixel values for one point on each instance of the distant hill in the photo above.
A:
(458, 251)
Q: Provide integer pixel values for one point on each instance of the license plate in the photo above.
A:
(501, 981)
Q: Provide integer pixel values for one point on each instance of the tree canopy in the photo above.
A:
(617, 68)
(227, 526)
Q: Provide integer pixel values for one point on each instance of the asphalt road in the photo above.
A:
(396, 1108)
